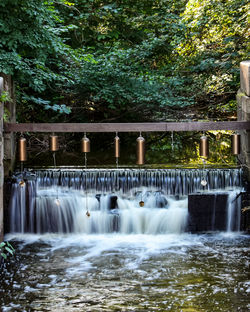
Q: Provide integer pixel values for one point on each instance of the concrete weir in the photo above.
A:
(207, 212)
(217, 211)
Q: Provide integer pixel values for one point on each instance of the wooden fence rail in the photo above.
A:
(126, 127)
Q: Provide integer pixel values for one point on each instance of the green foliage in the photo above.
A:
(5, 97)
(30, 48)
(6, 249)
(137, 60)
(62, 109)
(213, 47)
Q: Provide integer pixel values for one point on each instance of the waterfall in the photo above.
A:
(172, 181)
(64, 211)
(57, 200)
(233, 211)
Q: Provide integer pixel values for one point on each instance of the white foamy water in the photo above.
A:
(123, 257)
(61, 210)
(127, 272)
(107, 201)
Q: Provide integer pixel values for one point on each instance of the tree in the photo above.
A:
(31, 49)
(123, 60)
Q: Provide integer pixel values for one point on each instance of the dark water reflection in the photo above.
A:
(128, 273)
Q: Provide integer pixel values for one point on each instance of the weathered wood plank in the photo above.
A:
(126, 127)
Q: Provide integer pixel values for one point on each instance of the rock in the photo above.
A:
(161, 201)
(113, 202)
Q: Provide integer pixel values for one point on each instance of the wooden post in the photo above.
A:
(9, 138)
(1, 159)
(243, 100)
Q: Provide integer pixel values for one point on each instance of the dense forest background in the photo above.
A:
(126, 61)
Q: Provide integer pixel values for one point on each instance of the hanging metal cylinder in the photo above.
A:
(141, 203)
(85, 145)
(22, 149)
(236, 144)
(140, 150)
(53, 143)
(117, 147)
(204, 147)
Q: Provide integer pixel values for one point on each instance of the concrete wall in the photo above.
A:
(243, 100)
(207, 212)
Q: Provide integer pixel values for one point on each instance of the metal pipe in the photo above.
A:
(204, 147)
(54, 145)
(235, 144)
(117, 147)
(22, 150)
(140, 150)
(85, 145)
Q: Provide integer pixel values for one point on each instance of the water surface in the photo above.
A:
(119, 272)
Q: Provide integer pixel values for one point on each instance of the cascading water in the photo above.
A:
(57, 200)
(233, 211)
(172, 181)
(125, 256)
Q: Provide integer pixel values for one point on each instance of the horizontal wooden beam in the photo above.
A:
(126, 127)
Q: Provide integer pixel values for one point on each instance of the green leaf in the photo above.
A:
(2, 244)
(9, 250)
(10, 246)
(4, 255)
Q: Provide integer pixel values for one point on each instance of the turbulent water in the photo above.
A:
(57, 201)
(64, 211)
(124, 256)
(115, 272)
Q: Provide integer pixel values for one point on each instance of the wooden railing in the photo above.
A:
(127, 127)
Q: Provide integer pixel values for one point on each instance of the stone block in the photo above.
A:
(245, 142)
(207, 212)
(245, 77)
(245, 104)
(243, 113)
(243, 109)
(239, 105)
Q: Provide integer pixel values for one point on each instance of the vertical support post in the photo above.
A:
(9, 138)
(243, 100)
(1, 159)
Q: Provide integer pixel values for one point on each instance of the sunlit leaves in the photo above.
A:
(143, 56)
